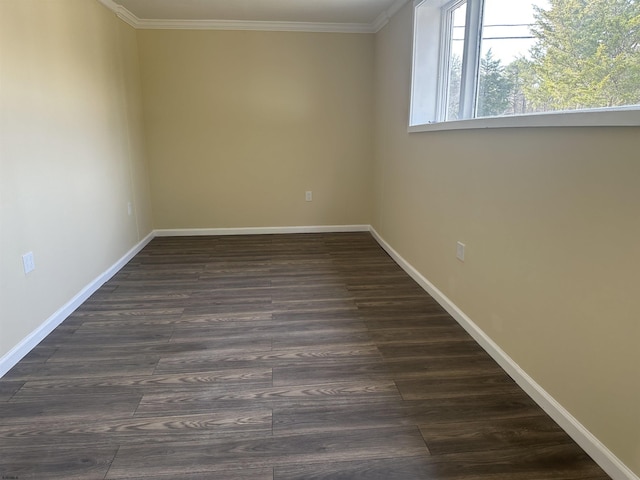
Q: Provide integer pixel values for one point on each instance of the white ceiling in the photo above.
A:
(354, 13)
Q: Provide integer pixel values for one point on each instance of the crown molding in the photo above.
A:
(254, 25)
(145, 24)
(379, 23)
(121, 12)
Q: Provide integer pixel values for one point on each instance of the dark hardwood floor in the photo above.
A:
(271, 357)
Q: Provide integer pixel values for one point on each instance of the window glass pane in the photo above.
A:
(539, 56)
(525, 56)
(507, 41)
(458, 16)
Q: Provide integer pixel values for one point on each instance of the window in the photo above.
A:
(477, 59)
(455, 17)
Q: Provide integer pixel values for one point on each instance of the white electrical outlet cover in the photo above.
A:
(28, 262)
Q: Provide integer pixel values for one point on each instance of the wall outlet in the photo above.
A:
(460, 251)
(28, 262)
(130, 208)
(308, 196)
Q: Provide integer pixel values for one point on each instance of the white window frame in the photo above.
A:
(446, 22)
(468, 83)
(428, 90)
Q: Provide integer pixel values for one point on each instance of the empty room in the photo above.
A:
(303, 239)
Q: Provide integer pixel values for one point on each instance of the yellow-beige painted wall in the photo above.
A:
(240, 124)
(72, 154)
(551, 225)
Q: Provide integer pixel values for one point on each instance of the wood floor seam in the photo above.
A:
(271, 357)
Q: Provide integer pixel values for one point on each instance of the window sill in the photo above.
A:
(617, 117)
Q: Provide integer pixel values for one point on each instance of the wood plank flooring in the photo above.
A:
(274, 357)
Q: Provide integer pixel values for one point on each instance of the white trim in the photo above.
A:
(13, 356)
(426, 111)
(177, 24)
(611, 464)
(192, 232)
(315, 27)
(395, 8)
(606, 117)
(471, 59)
(127, 16)
(121, 12)
(254, 25)
(110, 4)
(382, 19)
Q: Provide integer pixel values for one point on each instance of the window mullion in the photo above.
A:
(443, 79)
(471, 59)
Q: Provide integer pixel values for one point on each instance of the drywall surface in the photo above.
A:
(241, 124)
(72, 155)
(551, 226)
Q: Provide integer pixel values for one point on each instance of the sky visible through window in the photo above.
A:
(571, 56)
(506, 28)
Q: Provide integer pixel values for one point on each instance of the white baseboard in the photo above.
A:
(13, 356)
(611, 464)
(190, 232)
(599, 452)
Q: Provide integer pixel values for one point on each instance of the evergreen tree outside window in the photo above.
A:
(514, 57)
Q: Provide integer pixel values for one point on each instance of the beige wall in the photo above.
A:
(551, 224)
(241, 124)
(71, 154)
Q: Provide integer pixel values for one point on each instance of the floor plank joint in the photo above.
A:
(293, 356)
